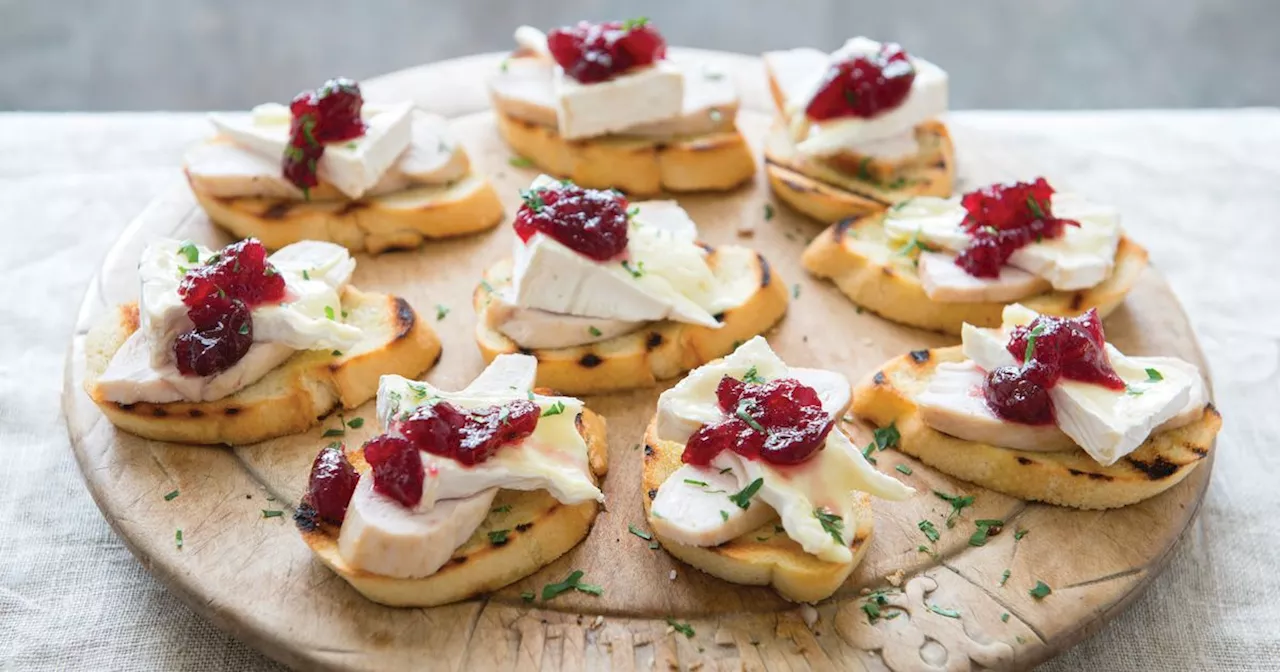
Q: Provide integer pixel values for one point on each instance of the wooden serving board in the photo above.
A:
(253, 576)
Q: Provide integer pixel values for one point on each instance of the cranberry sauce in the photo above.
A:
(1001, 218)
(469, 435)
(864, 85)
(397, 468)
(780, 422)
(219, 296)
(331, 113)
(333, 481)
(594, 52)
(1050, 348)
(590, 222)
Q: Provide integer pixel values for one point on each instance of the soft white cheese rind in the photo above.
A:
(646, 95)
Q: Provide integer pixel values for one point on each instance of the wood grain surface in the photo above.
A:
(253, 576)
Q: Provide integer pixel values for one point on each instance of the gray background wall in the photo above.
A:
(202, 54)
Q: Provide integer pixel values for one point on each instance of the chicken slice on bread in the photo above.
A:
(464, 492)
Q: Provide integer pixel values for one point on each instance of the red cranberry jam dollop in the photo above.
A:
(469, 435)
(780, 421)
(397, 468)
(1001, 218)
(333, 481)
(1050, 348)
(594, 52)
(219, 296)
(331, 113)
(591, 222)
(864, 86)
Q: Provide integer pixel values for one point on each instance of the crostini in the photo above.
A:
(748, 477)
(857, 130)
(463, 493)
(327, 167)
(1043, 408)
(602, 104)
(237, 347)
(612, 295)
(940, 263)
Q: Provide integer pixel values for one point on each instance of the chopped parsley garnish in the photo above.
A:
(832, 524)
(632, 24)
(177, 538)
(328, 312)
(742, 414)
(355, 423)
(189, 251)
(336, 353)
(1035, 206)
(864, 166)
(743, 497)
(305, 274)
(488, 288)
(272, 513)
(498, 537)
(958, 503)
(866, 452)
(520, 162)
(533, 199)
(571, 582)
(872, 610)
(332, 432)
(886, 437)
(929, 530)
(1154, 376)
(554, 409)
(904, 469)
(633, 211)
(1041, 590)
(941, 611)
(986, 528)
(527, 596)
(639, 533)
(636, 272)
(1019, 535)
(1004, 577)
(768, 211)
(594, 331)
(1031, 340)
(725, 470)
(442, 311)
(501, 509)
(505, 63)
(700, 484)
(724, 515)
(1004, 618)
(244, 329)
(171, 496)
(682, 628)
(419, 390)
(752, 376)
(875, 600)
(795, 291)
(912, 245)
(653, 546)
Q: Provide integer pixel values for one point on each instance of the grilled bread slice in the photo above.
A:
(657, 351)
(1065, 478)
(765, 556)
(858, 257)
(398, 220)
(703, 151)
(539, 530)
(290, 398)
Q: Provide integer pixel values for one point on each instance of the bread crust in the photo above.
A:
(539, 530)
(292, 397)
(400, 220)
(638, 166)
(764, 556)
(1066, 478)
(658, 351)
(857, 256)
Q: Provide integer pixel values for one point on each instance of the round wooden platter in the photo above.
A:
(252, 575)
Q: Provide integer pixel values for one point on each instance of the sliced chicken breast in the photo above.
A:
(946, 282)
(693, 507)
(953, 404)
(131, 378)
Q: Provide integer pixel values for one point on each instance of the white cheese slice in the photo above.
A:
(381, 536)
(825, 482)
(533, 328)
(353, 167)
(946, 282)
(131, 378)
(642, 96)
(799, 73)
(953, 403)
(314, 274)
(664, 276)
(1082, 257)
(1107, 424)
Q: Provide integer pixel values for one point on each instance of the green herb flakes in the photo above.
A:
(442, 311)
(929, 530)
(571, 582)
(594, 332)
(639, 533)
(171, 496)
(190, 251)
(958, 503)
(941, 611)
(682, 628)
(743, 497)
(355, 423)
(831, 524)
(768, 211)
(1041, 590)
(554, 409)
(903, 469)
(272, 513)
(177, 538)
(498, 537)
(519, 161)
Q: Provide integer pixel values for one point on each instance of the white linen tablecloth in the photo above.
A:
(1200, 189)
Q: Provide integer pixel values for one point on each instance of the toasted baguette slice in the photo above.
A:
(1066, 478)
(541, 529)
(658, 351)
(765, 556)
(399, 220)
(858, 257)
(849, 186)
(638, 166)
(290, 398)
